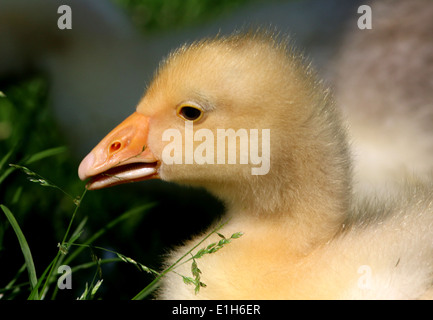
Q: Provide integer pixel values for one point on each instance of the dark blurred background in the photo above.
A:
(70, 87)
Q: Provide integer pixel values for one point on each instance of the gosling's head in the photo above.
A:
(253, 87)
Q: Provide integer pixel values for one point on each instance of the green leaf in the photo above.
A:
(200, 253)
(188, 280)
(95, 288)
(78, 231)
(211, 246)
(237, 235)
(84, 294)
(223, 242)
(194, 269)
(24, 247)
(74, 237)
(213, 250)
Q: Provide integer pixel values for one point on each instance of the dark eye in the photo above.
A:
(189, 113)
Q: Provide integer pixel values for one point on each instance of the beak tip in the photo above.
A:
(85, 166)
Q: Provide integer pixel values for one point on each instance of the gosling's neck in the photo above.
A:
(307, 192)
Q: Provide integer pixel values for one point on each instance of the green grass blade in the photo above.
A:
(58, 257)
(110, 225)
(45, 154)
(36, 157)
(11, 285)
(154, 284)
(5, 174)
(6, 158)
(34, 294)
(24, 246)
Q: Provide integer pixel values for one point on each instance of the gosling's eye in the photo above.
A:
(189, 113)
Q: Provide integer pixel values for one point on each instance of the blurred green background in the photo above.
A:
(157, 15)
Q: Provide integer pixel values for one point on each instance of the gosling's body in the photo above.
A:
(384, 252)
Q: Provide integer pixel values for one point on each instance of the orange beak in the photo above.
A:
(122, 156)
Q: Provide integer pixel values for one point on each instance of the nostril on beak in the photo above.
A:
(115, 146)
